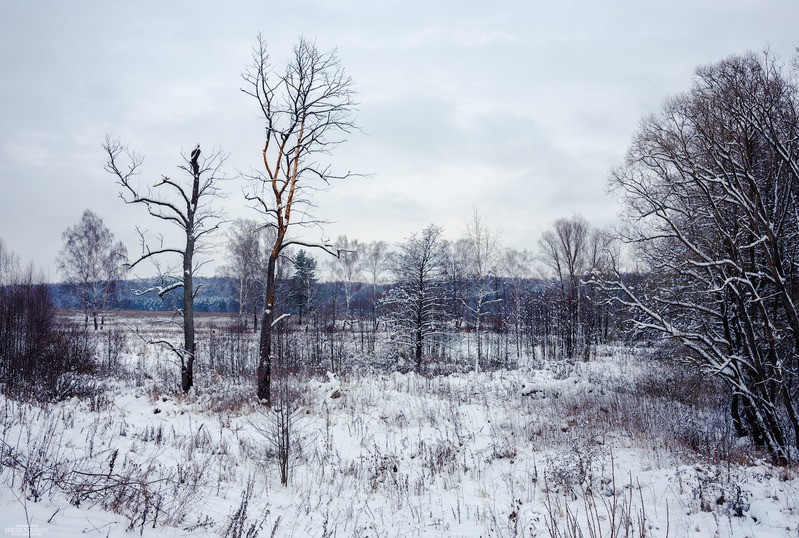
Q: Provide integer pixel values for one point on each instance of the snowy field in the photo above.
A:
(619, 446)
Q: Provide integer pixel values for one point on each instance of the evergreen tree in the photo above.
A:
(303, 282)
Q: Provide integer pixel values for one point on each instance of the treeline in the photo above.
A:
(216, 296)
(424, 291)
(421, 293)
(520, 305)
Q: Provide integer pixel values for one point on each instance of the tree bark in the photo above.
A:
(264, 371)
(189, 344)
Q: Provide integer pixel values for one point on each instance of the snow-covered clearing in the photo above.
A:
(614, 447)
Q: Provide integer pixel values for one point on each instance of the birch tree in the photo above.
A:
(91, 263)
(375, 264)
(482, 261)
(347, 268)
(517, 266)
(246, 248)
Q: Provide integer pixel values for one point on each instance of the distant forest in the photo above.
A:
(217, 295)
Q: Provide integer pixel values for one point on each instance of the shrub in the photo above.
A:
(39, 358)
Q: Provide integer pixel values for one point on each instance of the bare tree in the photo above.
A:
(247, 246)
(187, 204)
(347, 268)
(91, 263)
(415, 304)
(601, 249)
(458, 281)
(375, 264)
(564, 251)
(482, 260)
(9, 265)
(517, 266)
(307, 109)
(709, 189)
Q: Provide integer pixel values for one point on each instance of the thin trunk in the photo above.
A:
(418, 337)
(790, 410)
(737, 420)
(478, 331)
(418, 346)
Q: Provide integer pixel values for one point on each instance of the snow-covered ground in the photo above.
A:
(605, 448)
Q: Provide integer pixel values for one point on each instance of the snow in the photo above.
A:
(497, 453)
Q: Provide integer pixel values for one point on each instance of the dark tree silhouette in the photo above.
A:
(307, 110)
(186, 204)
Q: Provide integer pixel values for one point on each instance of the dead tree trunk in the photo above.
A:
(187, 206)
(306, 108)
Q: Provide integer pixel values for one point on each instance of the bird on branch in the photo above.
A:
(195, 155)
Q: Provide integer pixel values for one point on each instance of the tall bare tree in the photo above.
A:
(247, 244)
(517, 266)
(91, 263)
(308, 109)
(482, 261)
(458, 281)
(186, 203)
(375, 264)
(564, 251)
(602, 248)
(347, 268)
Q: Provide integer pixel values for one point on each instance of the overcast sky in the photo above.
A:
(519, 108)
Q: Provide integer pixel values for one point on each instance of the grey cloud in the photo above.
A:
(519, 107)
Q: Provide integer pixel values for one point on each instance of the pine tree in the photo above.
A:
(303, 282)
